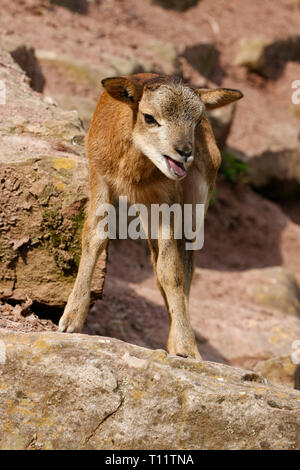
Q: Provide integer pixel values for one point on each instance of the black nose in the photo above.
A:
(185, 150)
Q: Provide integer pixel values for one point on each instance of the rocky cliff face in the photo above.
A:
(43, 193)
(61, 391)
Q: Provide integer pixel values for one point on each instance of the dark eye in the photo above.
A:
(150, 119)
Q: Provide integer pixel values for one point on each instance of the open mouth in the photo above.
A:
(177, 168)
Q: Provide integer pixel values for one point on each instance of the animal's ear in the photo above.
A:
(218, 97)
(123, 89)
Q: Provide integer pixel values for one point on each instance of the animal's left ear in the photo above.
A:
(123, 89)
(218, 97)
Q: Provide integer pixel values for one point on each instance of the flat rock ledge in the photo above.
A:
(61, 391)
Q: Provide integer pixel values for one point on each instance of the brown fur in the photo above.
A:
(127, 158)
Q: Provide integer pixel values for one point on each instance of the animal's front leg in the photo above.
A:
(93, 243)
(77, 307)
(174, 273)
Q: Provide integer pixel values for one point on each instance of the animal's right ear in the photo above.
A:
(218, 97)
(123, 89)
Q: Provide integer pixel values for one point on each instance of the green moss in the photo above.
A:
(63, 238)
(77, 223)
(273, 404)
(46, 194)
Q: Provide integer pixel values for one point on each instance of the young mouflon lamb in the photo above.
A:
(151, 141)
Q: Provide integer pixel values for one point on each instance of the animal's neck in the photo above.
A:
(139, 179)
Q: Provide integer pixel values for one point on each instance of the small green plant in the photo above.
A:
(233, 170)
(213, 198)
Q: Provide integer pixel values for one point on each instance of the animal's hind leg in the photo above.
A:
(93, 244)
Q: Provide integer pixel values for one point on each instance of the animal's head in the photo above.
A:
(166, 113)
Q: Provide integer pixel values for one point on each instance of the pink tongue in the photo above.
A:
(176, 167)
